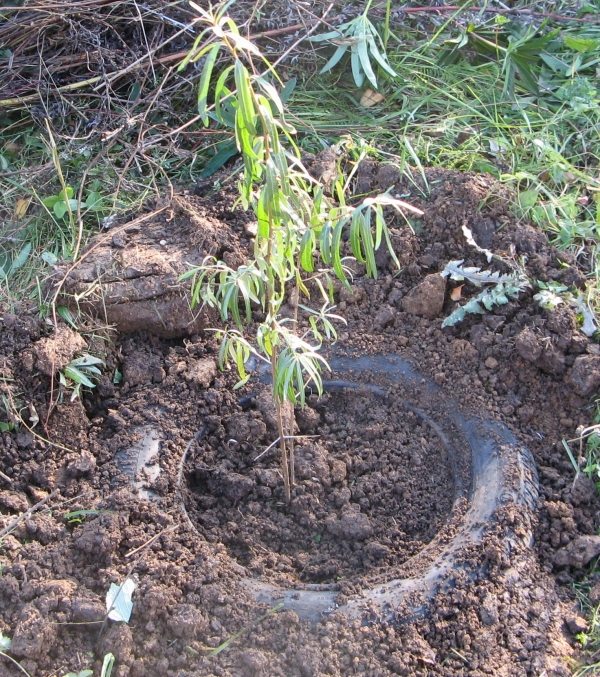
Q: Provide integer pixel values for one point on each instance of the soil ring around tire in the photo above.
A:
(489, 469)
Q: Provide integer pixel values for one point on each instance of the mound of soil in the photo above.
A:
(503, 612)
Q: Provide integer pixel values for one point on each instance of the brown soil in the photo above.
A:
(373, 488)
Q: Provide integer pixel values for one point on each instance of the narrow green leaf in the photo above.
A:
(191, 53)
(386, 234)
(272, 93)
(307, 250)
(365, 62)
(264, 225)
(78, 377)
(367, 243)
(357, 71)
(332, 35)
(222, 92)
(325, 243)
(380, 58)
(335, 251)
(20, 260)
(355, 224)
(226, 152)
(107, 665)
(242, 79)
(288, 89)
(205, 82)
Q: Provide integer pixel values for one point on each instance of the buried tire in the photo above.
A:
(489, 471)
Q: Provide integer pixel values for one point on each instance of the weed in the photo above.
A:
(79, 372)
(363, 39)
(505, 287)
(107, 665)
(216, 651)
(299, 226)
(79, 516)
(591, 435)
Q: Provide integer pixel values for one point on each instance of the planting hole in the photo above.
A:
(375, 483)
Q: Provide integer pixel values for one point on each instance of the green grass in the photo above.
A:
(455, 117)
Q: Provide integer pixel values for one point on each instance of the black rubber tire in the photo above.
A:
(500, 472)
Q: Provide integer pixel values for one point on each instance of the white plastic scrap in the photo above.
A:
(5, 643)
(118, 600)
(471, 240)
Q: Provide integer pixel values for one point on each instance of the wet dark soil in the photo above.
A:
(373, 486)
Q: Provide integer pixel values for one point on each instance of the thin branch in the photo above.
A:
(13, 525)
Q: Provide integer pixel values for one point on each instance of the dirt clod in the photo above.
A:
(427, 298)
(56, 351)
(585, 375)
(202, 372)
(576, 624)
(579, 552)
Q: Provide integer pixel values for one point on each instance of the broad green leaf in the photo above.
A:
(579, 44)
(527, 198)
(93, 201)
(60, 208)
(226, 152)
(49, 202)
(337, 55)
(49, 258)
(66, 194)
